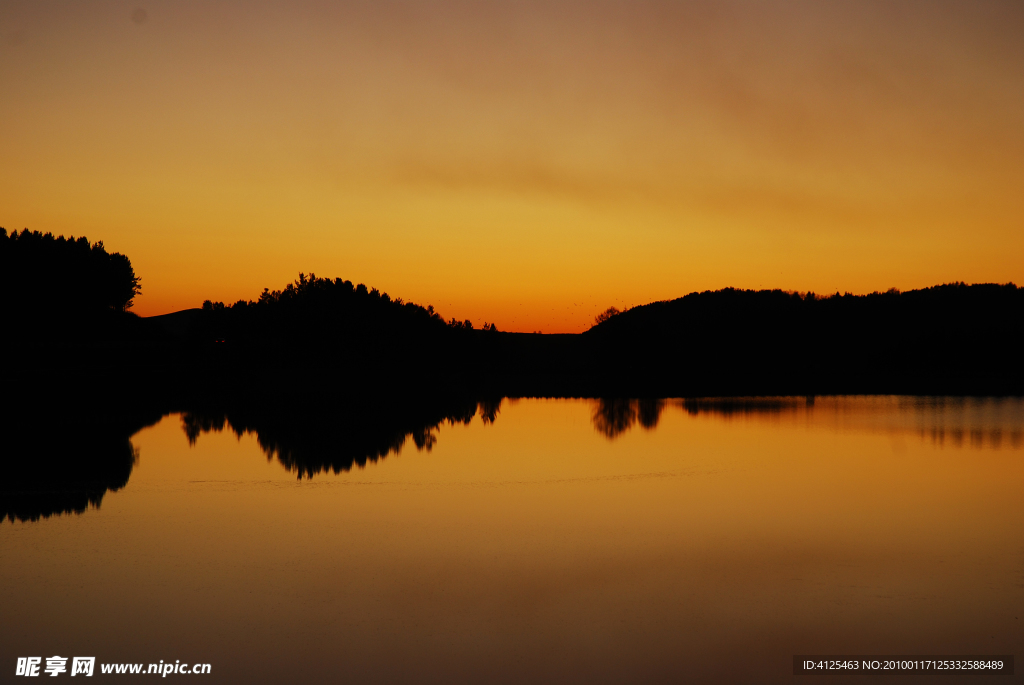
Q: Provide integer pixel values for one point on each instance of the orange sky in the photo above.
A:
(528, 163)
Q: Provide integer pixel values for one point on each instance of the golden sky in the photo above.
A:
(527, 163)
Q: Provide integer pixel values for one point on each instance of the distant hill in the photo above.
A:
(316, 310)
(178, 325)
(946, 339)
(66, 302)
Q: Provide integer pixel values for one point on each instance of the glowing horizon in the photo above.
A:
(526, 164)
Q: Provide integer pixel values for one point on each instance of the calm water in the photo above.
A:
(566, 541)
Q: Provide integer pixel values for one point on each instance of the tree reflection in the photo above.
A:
(337, 437)
(978, 423)
(64, 463)
(728, 406)
(614, 416)
(62, 457)
(648, 412)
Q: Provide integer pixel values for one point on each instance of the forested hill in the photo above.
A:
(313, 311)
(65, 304)
(949, 338)
(321, 335)
(942, 307)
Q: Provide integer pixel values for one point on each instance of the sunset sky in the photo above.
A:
(527, 163)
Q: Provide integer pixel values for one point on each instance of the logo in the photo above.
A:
(55, 665)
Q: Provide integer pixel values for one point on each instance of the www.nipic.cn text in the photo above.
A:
(34, 666)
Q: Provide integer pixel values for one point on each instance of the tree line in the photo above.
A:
(313, 308)
(953, 338)
(52, 282)
(44, 271)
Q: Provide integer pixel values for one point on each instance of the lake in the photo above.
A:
(547, 540)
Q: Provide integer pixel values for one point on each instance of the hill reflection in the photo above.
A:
(64, 459)
(973, 422)
(65, 462)
(333, 439)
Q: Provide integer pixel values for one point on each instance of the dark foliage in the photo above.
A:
(317, 333)
(61, 274)
(953, 338)
(52, 284)
(313, 310)
(950, 339)
(605, 315)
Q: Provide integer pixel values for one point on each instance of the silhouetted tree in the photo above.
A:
(46, 273)
(605, 315)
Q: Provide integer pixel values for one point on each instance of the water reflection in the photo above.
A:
(971, 422)
(735, 534)
(65, 462)
(613, 417)
(313, 440)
